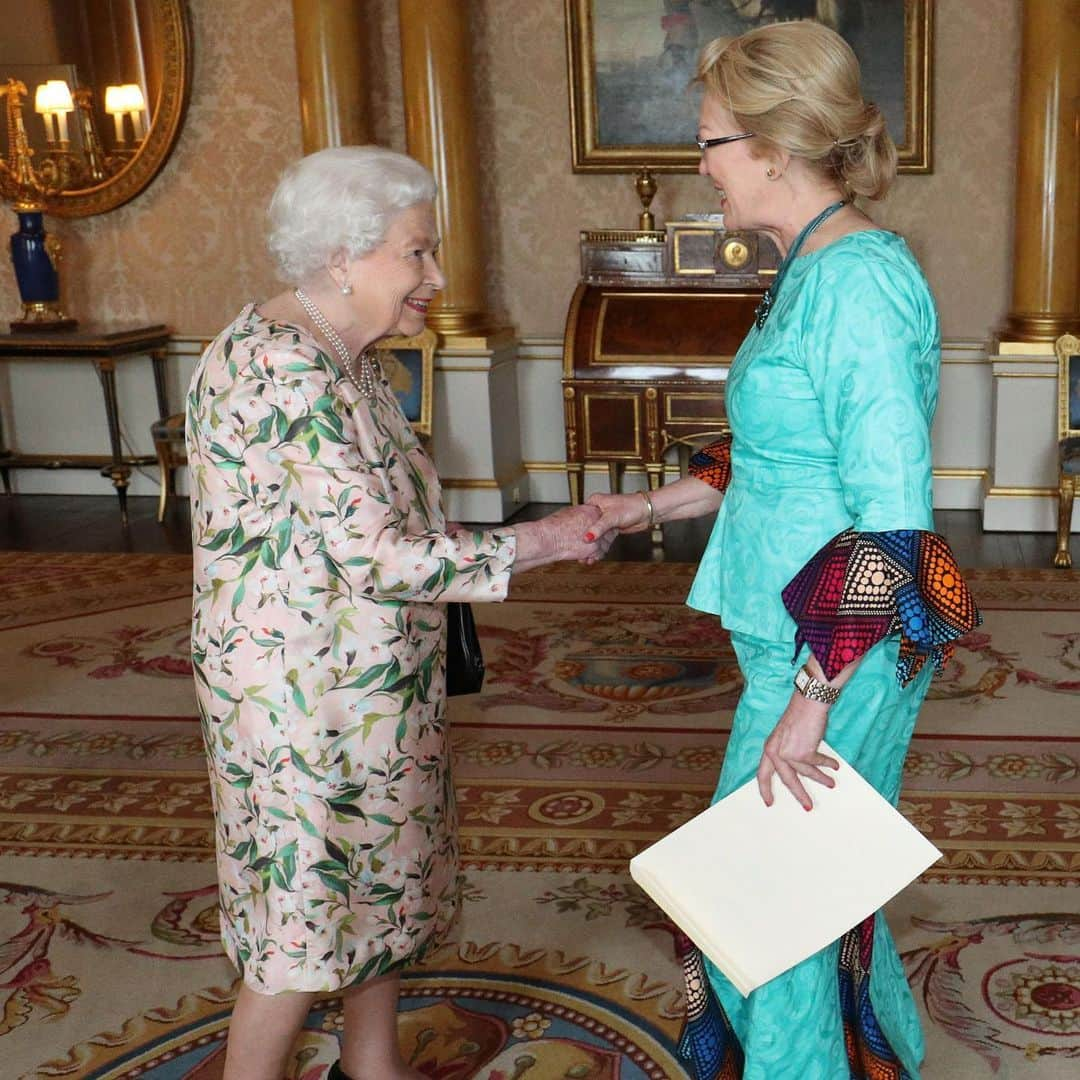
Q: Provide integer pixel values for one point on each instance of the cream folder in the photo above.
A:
(759, 889)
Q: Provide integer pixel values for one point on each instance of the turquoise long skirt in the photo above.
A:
(794, 1026)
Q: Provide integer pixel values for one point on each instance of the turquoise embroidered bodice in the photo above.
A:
(830, 405)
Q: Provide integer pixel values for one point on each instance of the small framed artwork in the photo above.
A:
(632, 62)
(409, 365)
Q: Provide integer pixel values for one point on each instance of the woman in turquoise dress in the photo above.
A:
(823, 563)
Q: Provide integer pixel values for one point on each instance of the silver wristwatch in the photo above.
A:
(813, 689)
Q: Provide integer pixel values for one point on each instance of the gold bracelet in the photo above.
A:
(648, 503)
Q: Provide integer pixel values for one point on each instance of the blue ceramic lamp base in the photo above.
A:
(34, 255)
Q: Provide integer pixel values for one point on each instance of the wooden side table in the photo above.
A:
(103, 345)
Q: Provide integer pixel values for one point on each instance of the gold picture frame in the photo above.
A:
(404, 360)
(610, 124)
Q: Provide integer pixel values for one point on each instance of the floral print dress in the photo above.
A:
(318, 639)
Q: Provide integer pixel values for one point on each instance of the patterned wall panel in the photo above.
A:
(190, 251)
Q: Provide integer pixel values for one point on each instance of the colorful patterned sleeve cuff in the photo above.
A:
(712, 463)
(863, 586)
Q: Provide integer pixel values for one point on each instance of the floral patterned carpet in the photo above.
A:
(601, 727)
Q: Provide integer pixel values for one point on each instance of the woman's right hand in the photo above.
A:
(562, 535)
(576, 532)
(620, 513)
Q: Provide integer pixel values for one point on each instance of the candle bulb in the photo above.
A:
(137, 125)
(53, 99)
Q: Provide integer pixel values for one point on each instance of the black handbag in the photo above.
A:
(464, 660)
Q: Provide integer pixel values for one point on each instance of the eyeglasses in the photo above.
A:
(704, 144)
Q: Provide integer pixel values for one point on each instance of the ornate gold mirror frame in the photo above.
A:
(171, 20)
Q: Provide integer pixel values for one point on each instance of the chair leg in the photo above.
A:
(164, 480)
(1066, 490)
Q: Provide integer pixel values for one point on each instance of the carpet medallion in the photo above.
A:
(601, 727)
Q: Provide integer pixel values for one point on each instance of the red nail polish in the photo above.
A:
(590, 537)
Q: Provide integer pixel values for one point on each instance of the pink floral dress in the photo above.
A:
(321, 563)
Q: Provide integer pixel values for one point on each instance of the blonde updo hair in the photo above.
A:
(797, 86)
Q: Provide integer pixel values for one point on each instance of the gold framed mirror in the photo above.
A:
(100, 90)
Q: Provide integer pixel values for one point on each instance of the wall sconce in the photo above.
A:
(53, 100)
(129, 99)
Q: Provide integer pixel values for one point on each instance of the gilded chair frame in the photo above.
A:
(1067, 350)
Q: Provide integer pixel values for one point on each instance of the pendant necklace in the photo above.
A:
(365, 381)
(761, 313)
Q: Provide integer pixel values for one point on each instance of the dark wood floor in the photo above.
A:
(92, 523)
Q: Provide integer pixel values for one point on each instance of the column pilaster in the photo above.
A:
(1046, 261)
(440, 132)
(330, 60)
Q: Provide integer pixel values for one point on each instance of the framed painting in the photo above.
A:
(409, 365)
(631, 63)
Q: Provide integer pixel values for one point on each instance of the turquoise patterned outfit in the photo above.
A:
(830, 404)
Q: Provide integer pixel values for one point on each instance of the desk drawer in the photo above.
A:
(613, 422)
(695, 407)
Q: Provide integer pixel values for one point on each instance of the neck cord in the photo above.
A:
(767, 301)
(365, 382)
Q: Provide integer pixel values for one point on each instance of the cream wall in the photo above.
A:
(189, 250)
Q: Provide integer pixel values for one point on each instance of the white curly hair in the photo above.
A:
(340, 199)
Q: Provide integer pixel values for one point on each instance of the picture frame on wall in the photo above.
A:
(408, 364)
(631, 64)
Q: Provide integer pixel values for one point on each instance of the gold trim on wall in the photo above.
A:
(939, 474)
(1022, 492)
(483, 483)
(914, 149)
(960, 474)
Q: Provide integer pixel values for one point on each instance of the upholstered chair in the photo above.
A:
(1067, 348)
(168, 436)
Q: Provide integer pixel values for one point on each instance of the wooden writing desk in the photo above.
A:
(650, 333)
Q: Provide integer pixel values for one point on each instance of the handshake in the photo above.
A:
(584, 533)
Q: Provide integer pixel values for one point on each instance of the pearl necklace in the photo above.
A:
(365, 382)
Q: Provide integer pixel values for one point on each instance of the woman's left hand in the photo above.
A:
(791, 751)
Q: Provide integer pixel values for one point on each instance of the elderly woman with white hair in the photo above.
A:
(323, 563)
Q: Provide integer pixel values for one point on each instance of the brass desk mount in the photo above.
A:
(645, 185)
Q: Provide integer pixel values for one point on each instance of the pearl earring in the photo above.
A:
(346, 289)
